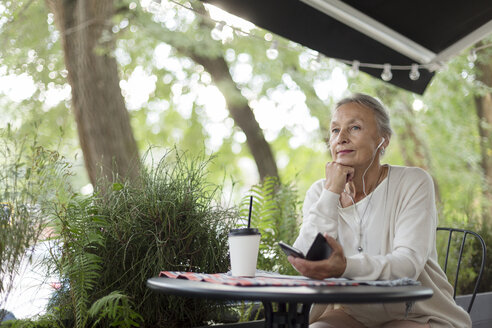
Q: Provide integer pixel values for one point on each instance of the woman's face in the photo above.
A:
(354, 136)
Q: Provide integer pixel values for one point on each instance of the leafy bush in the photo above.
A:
(116, 307)
(79, 228)
(31, 177)
(485, 231)
(471, 258)
(169, 220)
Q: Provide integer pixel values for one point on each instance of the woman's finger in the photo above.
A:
(337, 176)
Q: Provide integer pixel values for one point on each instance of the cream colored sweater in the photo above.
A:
(398, 223)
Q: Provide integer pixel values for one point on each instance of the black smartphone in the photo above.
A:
(319, 250)
(289, 250)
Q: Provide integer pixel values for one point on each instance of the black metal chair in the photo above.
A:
(464, 233)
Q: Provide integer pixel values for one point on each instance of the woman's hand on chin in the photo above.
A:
(337, 175)
(333, 267)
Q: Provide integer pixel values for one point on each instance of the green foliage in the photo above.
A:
(275, 212)
(79, 229)
(473, 257)
(468, 272)
(31, 178)
(30, 47)
(44, 321)
(169, 220)
(118, 309)
(486, 283)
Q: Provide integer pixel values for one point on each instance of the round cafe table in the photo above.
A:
(294, 302)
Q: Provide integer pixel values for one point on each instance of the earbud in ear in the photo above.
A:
(381, 143)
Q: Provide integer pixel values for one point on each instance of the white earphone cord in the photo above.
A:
(364, 175)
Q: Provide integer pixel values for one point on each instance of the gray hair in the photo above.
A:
(380, 112)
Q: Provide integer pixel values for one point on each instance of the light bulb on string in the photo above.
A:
(472, 56)
(227, 34)
(154, 6)
(216, 32)
(414, 72)
(355, 68)
(387, 75)
(272, 52)
(240, 32)
(315, 64)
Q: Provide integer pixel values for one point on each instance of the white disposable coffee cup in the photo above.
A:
(243, 248)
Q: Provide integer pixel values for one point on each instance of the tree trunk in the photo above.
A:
(484, 111)
(420, 155)
(103, 123)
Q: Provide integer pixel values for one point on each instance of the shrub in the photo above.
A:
(485, 230)
(31, 177)
(471, 258)
(169, 220)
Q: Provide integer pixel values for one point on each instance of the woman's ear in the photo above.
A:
(386, 141)
(383, 144)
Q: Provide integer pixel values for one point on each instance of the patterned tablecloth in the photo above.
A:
(274, 279)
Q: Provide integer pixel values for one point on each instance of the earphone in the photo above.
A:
(382, 141)
(373, 156)
(382, 149)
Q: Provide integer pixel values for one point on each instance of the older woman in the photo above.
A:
(381, 222)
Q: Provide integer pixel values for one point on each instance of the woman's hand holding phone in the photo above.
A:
(333, 267)
(319, 250)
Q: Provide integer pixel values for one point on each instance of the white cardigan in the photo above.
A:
(398, 222)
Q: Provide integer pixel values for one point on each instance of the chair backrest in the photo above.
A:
(464, 233)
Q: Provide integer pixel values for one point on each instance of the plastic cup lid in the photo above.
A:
(244, 232)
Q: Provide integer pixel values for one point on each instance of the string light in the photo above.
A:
(227, 34)
(414, 72)
(387, 75)
(155, 6)
(355, 68)
(216, 32)
(272, 53)
(472, 56)
(315, 64)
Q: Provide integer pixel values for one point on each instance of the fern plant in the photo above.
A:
(118, 309)
(112, 244)
(275, 212)
(79, 228)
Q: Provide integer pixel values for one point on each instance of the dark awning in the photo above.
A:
(424, 32)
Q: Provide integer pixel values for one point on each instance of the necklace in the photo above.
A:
(358, 218)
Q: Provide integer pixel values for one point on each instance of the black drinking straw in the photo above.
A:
(250, 207)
